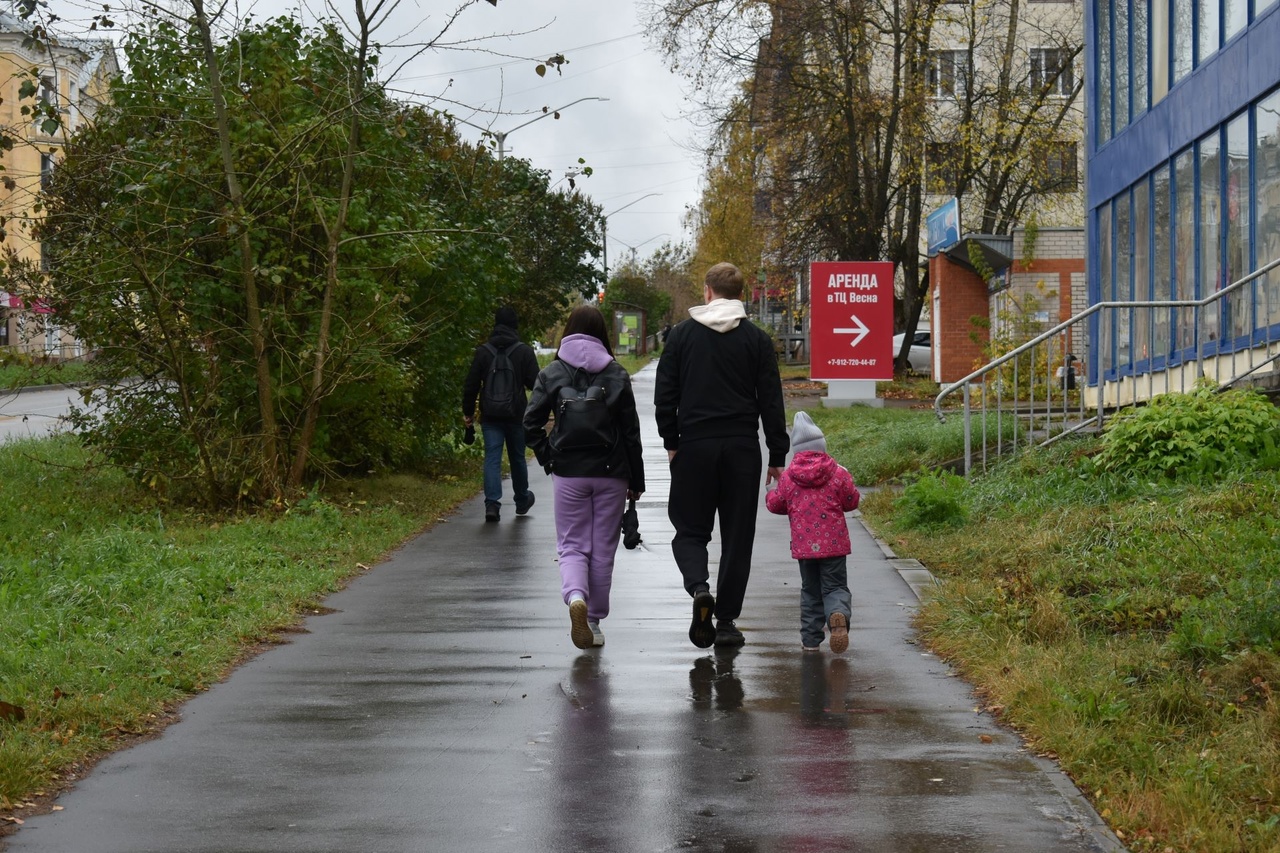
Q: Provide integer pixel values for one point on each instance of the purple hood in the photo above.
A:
(584, 351)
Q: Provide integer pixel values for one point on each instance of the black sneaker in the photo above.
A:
(522, 506)
(727, 634)
(701, 632)
(490, 511)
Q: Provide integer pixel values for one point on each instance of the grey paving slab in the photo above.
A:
(442, 707)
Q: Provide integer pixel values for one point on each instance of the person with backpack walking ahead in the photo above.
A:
(717, 383)
(501, 370)
(593, 455)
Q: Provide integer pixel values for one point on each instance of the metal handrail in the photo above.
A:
(967, 382)
(1085, 314)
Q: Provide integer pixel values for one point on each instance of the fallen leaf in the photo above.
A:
(985, 738)
(12, 712)
(55, 808)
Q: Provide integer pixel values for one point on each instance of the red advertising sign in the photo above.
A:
(851, 320)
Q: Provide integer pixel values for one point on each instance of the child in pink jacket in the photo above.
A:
(816, 492)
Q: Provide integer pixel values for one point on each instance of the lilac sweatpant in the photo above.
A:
(588, 527)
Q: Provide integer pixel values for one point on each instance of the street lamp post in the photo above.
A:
(636, 248)
(501, 135)
(604, 230)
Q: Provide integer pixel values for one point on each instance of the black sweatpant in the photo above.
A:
(713, 476)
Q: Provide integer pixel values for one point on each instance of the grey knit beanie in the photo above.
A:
(805, 435)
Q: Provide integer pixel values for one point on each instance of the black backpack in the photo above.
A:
(498, 397)
(583, 421)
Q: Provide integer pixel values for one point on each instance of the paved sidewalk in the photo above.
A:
(442, 707)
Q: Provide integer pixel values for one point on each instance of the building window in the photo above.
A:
(1120, 49)
(1208, 152)
(46, 171)
(1209, 29)
(1266, 170)
(1235, 17)
(1051, 71)
(48, 91)
(1061, 168)
(948, 74)
(1239, 255)
(940, 173)
(1182, 39)
(1105, 70)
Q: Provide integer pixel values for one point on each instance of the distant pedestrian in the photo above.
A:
(717, 383)
(815, 492)
(502, 369)
(593, 454)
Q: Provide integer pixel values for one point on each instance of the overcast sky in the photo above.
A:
(637, 142)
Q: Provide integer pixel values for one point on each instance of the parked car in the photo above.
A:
(921, 356)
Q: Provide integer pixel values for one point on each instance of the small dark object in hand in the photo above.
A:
(630, 527)
(469, 437)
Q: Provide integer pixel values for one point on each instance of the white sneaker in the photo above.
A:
(579, 631)
(597, 636)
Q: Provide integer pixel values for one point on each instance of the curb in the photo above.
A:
(919, 578)
(923, 583)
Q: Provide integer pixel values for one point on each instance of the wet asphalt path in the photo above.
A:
(442, 707)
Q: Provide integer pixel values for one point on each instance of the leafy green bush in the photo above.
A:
(1192, 435)
(934, 501)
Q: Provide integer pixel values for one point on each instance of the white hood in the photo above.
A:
(722, 315)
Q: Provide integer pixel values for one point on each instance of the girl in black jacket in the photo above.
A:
(594, 456)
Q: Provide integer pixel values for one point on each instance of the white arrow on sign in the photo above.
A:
(861, 331)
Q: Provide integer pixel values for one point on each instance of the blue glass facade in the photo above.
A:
(1182, 188)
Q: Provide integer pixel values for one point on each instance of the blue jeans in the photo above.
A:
(824, 590)
(497, 435)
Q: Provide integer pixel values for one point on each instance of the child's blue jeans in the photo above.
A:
(824, 590)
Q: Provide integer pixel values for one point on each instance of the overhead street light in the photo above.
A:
(604, 230)
(637, 246)
(501, 135)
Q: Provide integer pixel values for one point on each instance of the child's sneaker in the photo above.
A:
(839, 626)
(579, 629)
(597, 636)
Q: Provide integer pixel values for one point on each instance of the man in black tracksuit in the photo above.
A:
(717, 382)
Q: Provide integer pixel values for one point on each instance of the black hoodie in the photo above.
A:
(523, 362)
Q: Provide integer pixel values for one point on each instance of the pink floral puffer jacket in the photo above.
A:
(816, 492)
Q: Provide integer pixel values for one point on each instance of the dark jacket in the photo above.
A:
(716, 383)
(523, 361)
(625, 459)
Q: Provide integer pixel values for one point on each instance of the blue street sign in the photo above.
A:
(944, 226)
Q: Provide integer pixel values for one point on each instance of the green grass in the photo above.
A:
(632, 363)
(1128, 625)
(114, 608)
(18, 374)
(880, 445)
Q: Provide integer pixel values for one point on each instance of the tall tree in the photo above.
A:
(837, 102)
(350, 248)
(726, 223)
(847, 98)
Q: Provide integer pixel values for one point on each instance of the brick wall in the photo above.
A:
(1051, 243)
(962, 295)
